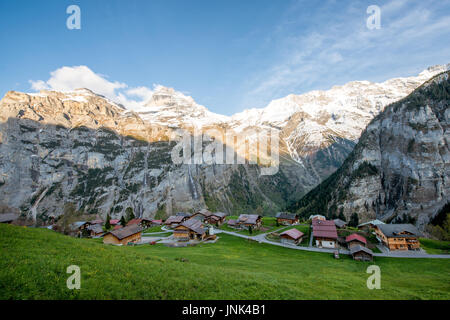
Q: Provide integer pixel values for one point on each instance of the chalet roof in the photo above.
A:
(126, 231)
(194, 225)
(114, 221)
(183, 214)
(395, 230)
(324, 229)
(117, 227)
(232, 222)
(317, 222)
(205, 212)
(134, 221)
(157, 221)
(77, 224)
(97, 228)
(7, 217)
(286, 215)
(98, 221)
(293, 233)
(325, 234)
(174, 219)
(248, 218)
(355, 236)
(374, 222)
(359, 248)
(219, 214)
(339, 223)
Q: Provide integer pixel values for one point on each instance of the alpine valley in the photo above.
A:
(80, 147)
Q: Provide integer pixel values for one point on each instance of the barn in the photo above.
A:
(216, 218)
(287, 219)
(291, 236)
(249, 220)
(174, 221)
(124, 235)
(192, 229)
(361, 253)
(355, 239)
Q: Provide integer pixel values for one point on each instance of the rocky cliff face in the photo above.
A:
(400, 168)
(79, 147)
(58, 147)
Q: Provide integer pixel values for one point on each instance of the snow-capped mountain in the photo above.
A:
(313, 120)
(399, 170)
(169, 107)
(78, 146)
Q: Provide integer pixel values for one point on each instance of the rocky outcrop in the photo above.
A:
(400, 168)
(80, 147)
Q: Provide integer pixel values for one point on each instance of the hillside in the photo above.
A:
(400, 168)
(34, 262)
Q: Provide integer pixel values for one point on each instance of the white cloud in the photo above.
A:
(71, 78)
(343, 49)
(142, 92)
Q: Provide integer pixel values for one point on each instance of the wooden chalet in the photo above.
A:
(201, 215)
(191, 229)
(249, 220)
(8, 217)
(123, 236)
(174, 221)
(361, 253)
(95, 230)
(232, 223)
(398, 236)
(157, 223)
(340, 223)
(291, 236)
(324, 233)
(370, 224)
(355, 240)
(144, 223)
(287, 219)
(216, 218)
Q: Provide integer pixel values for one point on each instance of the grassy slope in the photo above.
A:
(34, 262)
(435, 246)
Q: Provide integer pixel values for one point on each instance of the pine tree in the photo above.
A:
(108, 223)
(123, 222)
(354, 220)
(341, 215)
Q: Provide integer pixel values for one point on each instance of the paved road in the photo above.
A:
(261, 238)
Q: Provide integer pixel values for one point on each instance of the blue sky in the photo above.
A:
(228, 55)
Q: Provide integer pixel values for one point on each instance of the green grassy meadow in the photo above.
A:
(33, 266)
(269, 224)
(435, 246)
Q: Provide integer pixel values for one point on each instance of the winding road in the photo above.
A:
(261, 238)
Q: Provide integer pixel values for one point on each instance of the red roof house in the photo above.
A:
(324, 233)
(355, 239)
